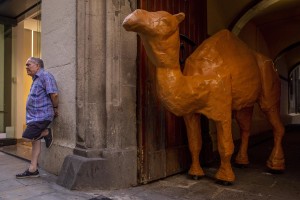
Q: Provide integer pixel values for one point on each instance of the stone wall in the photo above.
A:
(59, 54)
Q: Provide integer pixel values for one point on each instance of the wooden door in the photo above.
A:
(162, 140)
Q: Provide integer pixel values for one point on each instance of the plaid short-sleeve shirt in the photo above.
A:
(39, 105)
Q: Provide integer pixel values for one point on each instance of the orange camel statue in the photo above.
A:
(221, 76)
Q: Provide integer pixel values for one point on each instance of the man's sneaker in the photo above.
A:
(28, 174)
(49, 138)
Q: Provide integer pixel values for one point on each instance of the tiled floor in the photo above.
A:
(20, 150)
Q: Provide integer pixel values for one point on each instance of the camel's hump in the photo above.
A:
(222, 49)
(223, 54)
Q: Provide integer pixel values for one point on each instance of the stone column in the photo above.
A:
(91, 78)
(105, 155)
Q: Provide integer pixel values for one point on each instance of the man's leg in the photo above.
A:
(33, 133)
(36, 150)
(35, 153)
(43, 134)
(32, 171)
(48, 137)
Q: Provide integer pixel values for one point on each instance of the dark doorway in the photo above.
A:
(162, 140)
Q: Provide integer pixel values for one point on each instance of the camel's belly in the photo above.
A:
(245, 91)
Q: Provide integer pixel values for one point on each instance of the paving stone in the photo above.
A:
(7, 185)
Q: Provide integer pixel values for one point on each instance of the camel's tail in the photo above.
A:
(270, 94)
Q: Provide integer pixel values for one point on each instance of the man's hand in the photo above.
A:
(55, 112)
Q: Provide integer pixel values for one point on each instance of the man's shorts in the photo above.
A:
(35, 129)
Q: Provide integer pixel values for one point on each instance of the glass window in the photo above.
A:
(5, 76)
(17, 44)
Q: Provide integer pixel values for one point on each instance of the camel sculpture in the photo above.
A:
(222, 76)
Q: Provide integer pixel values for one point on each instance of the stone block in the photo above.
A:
(114, 170)
(7, 141)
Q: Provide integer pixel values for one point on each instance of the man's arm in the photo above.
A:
(54, 99)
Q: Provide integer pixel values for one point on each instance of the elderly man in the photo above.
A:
(41, 108)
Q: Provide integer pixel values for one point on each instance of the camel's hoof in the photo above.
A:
(274, 171)
(241, 166)
(195, 177)
(224, 183)
(276, 164)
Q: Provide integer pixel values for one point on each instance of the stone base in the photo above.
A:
(116, 170)
(51, 159)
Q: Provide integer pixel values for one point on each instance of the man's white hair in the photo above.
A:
(38, 61)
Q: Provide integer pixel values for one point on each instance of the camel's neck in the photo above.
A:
(171, 86)
(180, 94)
(163, 52)
(169, 77)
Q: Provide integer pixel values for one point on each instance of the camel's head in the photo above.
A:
(159, 33)
(152, 23)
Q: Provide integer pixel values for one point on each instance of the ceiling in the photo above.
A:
(280, 26)
(278, 21)
(13, 11)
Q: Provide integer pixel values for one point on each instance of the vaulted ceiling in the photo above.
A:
(279, 22)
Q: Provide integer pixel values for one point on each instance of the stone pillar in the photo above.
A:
(105, 155)
(91, 81)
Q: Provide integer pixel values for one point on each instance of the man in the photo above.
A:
(41, 108)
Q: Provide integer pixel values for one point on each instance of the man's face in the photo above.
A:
(32, 68)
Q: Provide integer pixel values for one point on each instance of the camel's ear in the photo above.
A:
(180, 17)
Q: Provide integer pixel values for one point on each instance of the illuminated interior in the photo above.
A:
(17, 44)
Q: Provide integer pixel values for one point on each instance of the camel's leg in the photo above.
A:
(193, 127)
(225, 147)
(243, 118)
(276, 160)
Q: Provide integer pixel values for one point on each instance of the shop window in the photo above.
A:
(5, 77)
(17, 43)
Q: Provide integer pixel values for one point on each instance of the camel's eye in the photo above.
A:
(165, 21)
(161, 22)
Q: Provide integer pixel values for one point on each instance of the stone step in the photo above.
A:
(7, 141)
